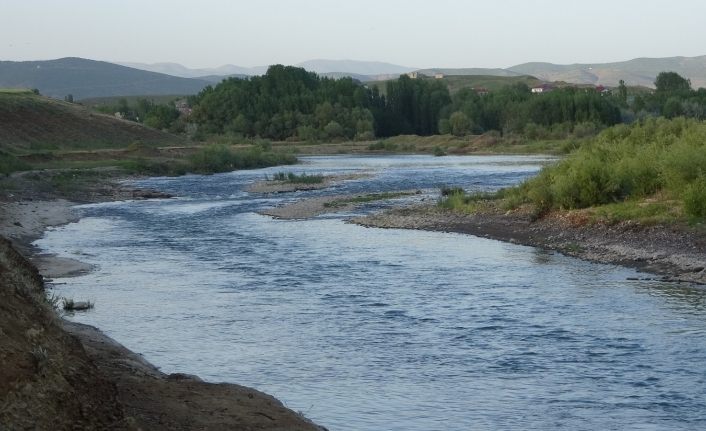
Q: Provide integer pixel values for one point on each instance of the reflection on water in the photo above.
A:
(388, 329)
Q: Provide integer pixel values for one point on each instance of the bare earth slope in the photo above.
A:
(58, 375)
(29, 123)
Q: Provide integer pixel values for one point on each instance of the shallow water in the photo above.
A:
(372, 329)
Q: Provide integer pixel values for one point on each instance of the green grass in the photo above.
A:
(366, 198)
(624, 168)
(456, 199)
(16, 91)
(645, 212)
(10, 164)
(292, 178)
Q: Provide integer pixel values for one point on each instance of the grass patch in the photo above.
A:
(639, 172)
(292, 178)
(646, 212)
(366, 198)
(456, 199)
(10, 164)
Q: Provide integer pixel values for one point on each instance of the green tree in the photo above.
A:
(672, 108)
(460, 123)
(672, 82)
(623, 92)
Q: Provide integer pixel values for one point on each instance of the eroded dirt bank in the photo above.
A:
(58, 375)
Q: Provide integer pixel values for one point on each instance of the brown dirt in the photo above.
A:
(676, 252)
(57, 375)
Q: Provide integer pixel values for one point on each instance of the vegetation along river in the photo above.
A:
(373, 329)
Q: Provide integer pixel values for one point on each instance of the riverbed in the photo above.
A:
(371, 329)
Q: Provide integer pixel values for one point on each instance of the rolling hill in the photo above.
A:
(88, 78)
(360, 70)
(639, 71)
(478, 71)
(30, 123)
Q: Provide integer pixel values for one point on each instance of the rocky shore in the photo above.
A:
(59, 375)
(674, 253)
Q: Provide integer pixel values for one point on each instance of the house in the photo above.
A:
(413, 75)
(603, 91)
(481, 91)
(439, 76)
(544, 88)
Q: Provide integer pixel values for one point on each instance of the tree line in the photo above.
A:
(290, 103)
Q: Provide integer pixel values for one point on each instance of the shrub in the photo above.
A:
(694, 198)
(10, 164)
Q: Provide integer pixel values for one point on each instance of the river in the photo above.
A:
(372, 329)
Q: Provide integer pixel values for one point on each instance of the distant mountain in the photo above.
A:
(176, 69)
(639, 71)
(84, 78)
(370, 68)
(339, 75)
(476, 71)
(361, 70)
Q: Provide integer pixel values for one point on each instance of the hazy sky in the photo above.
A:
(428, 33)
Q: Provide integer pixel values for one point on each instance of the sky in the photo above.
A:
(413, 33)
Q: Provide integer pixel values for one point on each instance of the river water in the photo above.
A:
(372, 329)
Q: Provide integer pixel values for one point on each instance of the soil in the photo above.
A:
(58, 375)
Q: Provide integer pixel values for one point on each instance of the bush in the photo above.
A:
(694, 198)
(10, 164)
(627, 162)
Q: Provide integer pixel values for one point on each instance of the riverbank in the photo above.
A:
(62, 375)
(673, 252)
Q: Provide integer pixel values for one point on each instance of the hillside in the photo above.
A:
(469, 71)
(639, 71)
(457, 82)
(360, 70)
(176, 69)
(88, 78)
(32, 123)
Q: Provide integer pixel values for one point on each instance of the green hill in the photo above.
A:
(88, 78)
(31, 123)
(636, 72)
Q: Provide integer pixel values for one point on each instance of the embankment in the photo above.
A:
(58, 375)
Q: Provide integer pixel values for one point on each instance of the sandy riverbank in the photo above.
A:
(676, 253)
(312, 207)
(275, 186)
(62, 375)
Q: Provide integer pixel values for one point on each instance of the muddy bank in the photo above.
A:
(675, 253)
(275, 186)
(60, 375)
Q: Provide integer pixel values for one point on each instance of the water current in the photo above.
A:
(373, 329)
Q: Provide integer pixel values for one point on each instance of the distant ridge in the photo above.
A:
(477, 71)
(84, 78)
(360, 70)
(639, 71)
